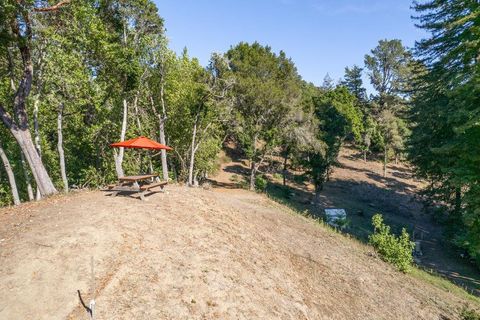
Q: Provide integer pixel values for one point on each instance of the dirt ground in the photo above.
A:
(360, 188)
(195, 254)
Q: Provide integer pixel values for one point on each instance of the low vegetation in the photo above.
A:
(469, 314)
(396, 250)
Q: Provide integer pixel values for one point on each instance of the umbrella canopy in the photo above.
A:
(141, 143)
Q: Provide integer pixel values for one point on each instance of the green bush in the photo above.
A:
(277, 176)
(261, 183)
(395, 250)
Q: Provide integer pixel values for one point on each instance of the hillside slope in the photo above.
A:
(360, 188)
(196, 254)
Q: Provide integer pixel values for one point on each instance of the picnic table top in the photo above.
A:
(138, 177)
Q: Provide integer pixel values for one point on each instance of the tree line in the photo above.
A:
(79, 75)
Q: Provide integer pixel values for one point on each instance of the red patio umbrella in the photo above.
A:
(141, 143)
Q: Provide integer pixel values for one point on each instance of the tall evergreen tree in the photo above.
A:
(446, 113)
(354, 83)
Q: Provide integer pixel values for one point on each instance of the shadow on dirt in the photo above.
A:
(362, 200)
(362, 191)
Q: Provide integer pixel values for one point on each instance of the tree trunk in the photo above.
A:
(318, 190)
(36, 132)
(24, 139)
(192, 155)
(253, 170)
(137, 115)
(162, 118)
(35, 163)
(285, 163)
(119, 154)
(26, 175)
(365, 155)
(11, 177)
(163, 152)
(61, 153)
(18, 125)
(385, 159)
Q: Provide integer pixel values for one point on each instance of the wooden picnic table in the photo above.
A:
(136, 184)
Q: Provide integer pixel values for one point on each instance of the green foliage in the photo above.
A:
(338, 117)
(395, 250)
(261, 183)
(444, 140)
(354, 83)
(388, 66)
(266, 90)
(470, 314)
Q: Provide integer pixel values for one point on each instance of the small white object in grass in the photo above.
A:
(334, 215)
(417, 250)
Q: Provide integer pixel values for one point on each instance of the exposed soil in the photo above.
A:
(196, 254)
(360, 188)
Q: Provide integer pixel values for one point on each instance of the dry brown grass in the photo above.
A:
(196, 254)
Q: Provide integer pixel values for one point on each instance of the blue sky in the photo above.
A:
(321, 36)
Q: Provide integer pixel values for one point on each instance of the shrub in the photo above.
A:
(395, 250)
(261, 183)
(277, 176)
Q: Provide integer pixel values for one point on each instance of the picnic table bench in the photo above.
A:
(139, 184)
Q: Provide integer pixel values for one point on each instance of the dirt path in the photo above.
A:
(195, 254)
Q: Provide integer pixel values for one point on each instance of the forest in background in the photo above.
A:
(76, 76)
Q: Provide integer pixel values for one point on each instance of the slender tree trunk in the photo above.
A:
(318, 190)
(163, 118)
(11, 177)
(365, 155)
(26, 175)
(285, 163)
(36, 132)
(119, 154)
(61, 153)
(137, 114)
(39, 172)
(396, 158)
(253, 171)
(253, 165)
(163, 152)
(192, 155)
(22, 135)
(385, 159)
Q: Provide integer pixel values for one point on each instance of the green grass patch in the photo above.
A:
(280, 195)
(442, 283)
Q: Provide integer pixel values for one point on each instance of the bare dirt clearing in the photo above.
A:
(196, 254)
